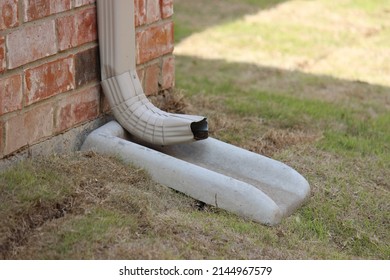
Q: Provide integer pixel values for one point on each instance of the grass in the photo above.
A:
(292, 85)
(227, 10)
(289, 86)
(320, 37)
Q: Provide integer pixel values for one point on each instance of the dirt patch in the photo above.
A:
(22, 225)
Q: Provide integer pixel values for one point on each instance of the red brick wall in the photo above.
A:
(49, 72)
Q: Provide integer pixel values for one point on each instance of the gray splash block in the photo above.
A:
(245, 183)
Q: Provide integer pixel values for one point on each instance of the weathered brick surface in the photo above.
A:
(152, 74)
(166, 8)
(49, 65)
(87, 67)
(11, 95)
(141, 75)
(153, 13)
(31, 43)
(75, 30)
(154, 42)
(35, 9)
(139, 12)
(49, 79)
(9, 15)
(66, 30)
(168, 73)
(3, 60)
(79, 3)
(28, 128)
(78, 108)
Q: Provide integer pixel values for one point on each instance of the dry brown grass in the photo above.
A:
(113, 211)
(170, 101)
(96, 207)
(107, 208)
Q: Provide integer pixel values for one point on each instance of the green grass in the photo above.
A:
(25, 185)
(346, 124)
(258, 95)
(286, 38)
(227, 11)
(348, 213)
(94, 228)
(321, 37)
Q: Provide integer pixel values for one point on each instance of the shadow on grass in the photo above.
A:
(205, 14)
(350, 116)
(335, 132)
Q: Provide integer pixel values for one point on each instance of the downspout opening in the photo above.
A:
(200, 129)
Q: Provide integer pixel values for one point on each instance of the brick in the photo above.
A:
(105, 105)
(87, 26)
(3, 62)
(141, 75)
(11, 95)
(154, 42)
(31, 43)
(78, 29)
(166, 8)
(168, 73)
(153, 11)
(28, 128)
(139, 12)
(9, 14)
(35, 9)
(78, 108)
(66, 30)
(49, 79)
(79, 3)
(152, 75)
(87, 67)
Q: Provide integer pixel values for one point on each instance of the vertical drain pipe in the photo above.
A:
(123, 89)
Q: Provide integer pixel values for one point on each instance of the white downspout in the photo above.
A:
(122, 86)
(226, 176)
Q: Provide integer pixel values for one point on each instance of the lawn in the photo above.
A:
(303, 82)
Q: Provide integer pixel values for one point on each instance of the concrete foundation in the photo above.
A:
(67, 142)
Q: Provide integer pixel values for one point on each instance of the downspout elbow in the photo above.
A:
(123, 89)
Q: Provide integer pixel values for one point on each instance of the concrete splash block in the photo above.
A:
(245, 183)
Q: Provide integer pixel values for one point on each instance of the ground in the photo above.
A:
(304, 82)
